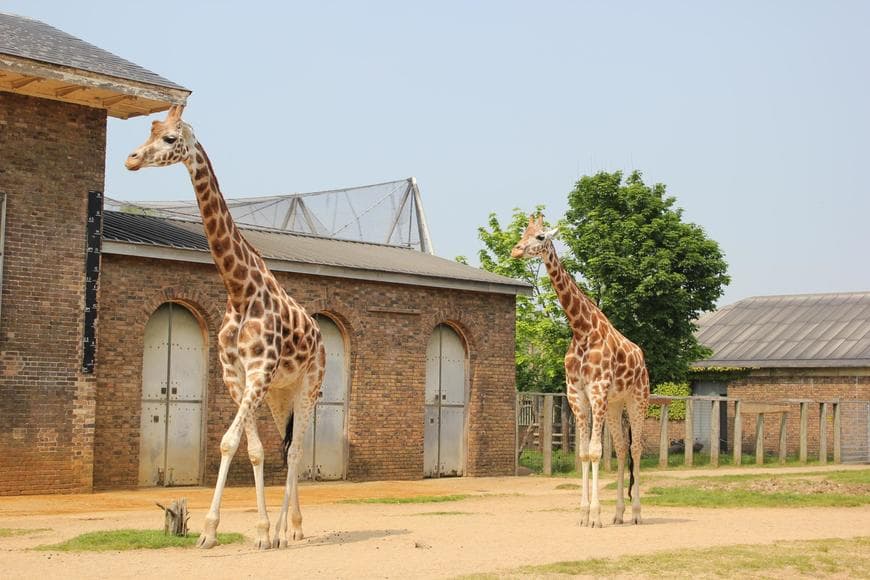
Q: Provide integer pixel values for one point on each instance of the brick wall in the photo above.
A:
(51, 154)
(816, 384)
(387, 353)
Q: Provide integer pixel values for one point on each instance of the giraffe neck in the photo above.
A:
(236, 259)
(582, 313)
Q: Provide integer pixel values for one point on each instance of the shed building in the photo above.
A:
(805, 346)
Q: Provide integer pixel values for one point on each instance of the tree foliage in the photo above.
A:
(649, 271)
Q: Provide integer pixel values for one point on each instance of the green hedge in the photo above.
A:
(677, 410)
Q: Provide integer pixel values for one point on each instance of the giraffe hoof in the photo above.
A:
(596, 524)
(264, 544)
(298, 535)
(206, 542)
(617, 520)
(279, 543)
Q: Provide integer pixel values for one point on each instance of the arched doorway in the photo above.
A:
(325, 446)
(173, 382)
(444, 429)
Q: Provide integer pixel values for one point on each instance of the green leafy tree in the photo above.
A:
(649, 271)
(542, 333)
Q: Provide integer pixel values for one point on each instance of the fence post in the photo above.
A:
(663, 436)
(802, 453)
(606, 448)
(783, 436)
(517, 409)
(738, 433)
(823, 433)
(759, 439)
(714, 434)
(837, 443)
(563, 407)
(689, 435)
(547, 435)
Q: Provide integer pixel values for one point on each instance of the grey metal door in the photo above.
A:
(173, 379)
(325, 445)
(702, 411)
(444, 415)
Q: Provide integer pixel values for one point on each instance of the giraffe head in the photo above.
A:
(171, 141)
(534, 240)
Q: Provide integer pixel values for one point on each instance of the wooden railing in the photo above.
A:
(741, 407)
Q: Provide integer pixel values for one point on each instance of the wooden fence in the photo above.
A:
(535, 422)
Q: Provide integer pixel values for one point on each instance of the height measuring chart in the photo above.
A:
(94, 242)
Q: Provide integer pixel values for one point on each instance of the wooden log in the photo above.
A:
(749, 408)
(175, 517)
(547, 435)
(563, 408)
(802, 451)
(838, 457)
(664, 442)
(823, 433)
(738, 434)
(689, 436)
(714, 435)
(783, 437)
(759, 439)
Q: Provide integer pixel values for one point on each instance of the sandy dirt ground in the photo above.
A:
(508, 522)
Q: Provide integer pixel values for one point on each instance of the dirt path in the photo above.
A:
(509, 522)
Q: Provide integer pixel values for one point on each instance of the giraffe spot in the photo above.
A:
(267, 301)
(257, 349)
(256, 310)
(200, 172)
(250, 289)
(272, 286)
(228, 262)
(234, 287)
(199, 159)
(257, 277)
(240, 273)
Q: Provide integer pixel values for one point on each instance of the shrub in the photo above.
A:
(677, 409)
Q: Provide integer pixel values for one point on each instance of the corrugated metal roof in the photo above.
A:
(302, 249)
(34, 40)
(803, 330)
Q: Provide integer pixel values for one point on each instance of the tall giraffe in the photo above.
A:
(269, 347)
(604, 371)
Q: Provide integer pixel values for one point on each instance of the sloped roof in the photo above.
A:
(34, 40)
(142, 235)
(803, 330)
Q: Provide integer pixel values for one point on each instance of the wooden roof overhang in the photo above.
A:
(121, 98)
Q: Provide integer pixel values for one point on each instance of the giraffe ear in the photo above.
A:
(174, 113)
(552, 233)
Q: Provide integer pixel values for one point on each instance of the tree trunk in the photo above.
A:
(176, 516)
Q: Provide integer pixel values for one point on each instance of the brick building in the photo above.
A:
(808, 346)
(421, 375)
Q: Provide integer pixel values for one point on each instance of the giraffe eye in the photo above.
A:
(170, 139)
(540, 237)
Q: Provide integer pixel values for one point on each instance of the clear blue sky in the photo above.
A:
(755, 114)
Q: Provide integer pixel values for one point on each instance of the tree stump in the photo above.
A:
(176, 516)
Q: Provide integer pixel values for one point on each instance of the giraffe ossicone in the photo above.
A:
(269, 347)
(605, 374)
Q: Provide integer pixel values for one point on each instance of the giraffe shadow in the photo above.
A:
(349, 537)
(658, 522)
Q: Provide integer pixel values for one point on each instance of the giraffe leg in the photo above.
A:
(598, 410)
(229, 445)
(256, 454)
(581, 416)
(615, 425)
(636, 417)
(303, 406)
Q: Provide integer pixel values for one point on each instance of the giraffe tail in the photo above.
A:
(627, 426)
(288, 437)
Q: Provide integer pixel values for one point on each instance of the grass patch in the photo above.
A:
(569, 486)
(842, 557)
(117, 540)
(442, 514)
(10, 532)
(412, 499)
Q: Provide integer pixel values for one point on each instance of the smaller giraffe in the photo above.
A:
(604, 372)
